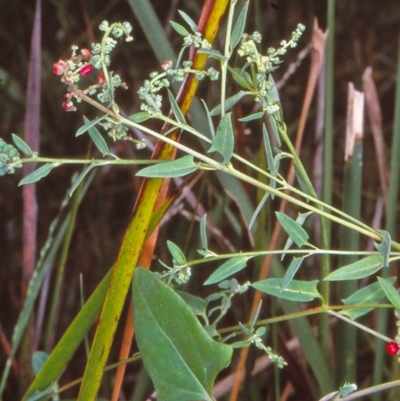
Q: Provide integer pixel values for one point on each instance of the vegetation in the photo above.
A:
(255, 264)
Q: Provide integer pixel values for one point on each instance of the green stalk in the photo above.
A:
(349, 239)
(61, 265)
(390, 225)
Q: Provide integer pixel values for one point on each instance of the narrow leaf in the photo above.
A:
(291, 271)
(178, 349)
(97, 139)
(239, 27)
(268, 150)
(38, 360)
(89, 124)
(139, 117)
(176, 168)
(229, 103)
(258, 209)
(177, 254)
(360, 269)
(213, 53)
(384, 247)
(81, 176)
(390, 292)
(209, 120)
(38, 173)
(229, 268)
(189, 21)
(371, 294)
(295, 230)
(243, 78)
(179, 29)
(203, 232)
(299, 291)
(22, 145)
(251, 117)
(175, 108)
(224, 139)
(196, 304)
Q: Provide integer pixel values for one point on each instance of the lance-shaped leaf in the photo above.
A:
(171, 169)
(371, 294)
(238, 29)
(38, 174)
(299, 291)
(89, 124)
(291, 271)
(189, 21)
(294, 229)
(22, 145)
(390, 292)
(360, 269)
(230, 267)
(224, 139)
(177, 254)
(384, 247)
(180, 357)
(97, 139)
(229, 103)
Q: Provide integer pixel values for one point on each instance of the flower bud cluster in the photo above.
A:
(82, 64)
(9, 158)
(265, 64)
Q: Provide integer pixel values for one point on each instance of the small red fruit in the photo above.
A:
(86, 70)
(59, 67)
(392, 348)
(86, 53)
(101, 80)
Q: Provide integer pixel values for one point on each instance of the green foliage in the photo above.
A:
(183, 354)
(174, 359)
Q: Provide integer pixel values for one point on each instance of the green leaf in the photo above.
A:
(179, 29)
(360, 269)
(139, 117)
(196, 304)
(371, 294)
(258, 209)
(243, 78)
(213, 53)
(22, 145)
(251, 117)
(295, 230)
(175, 108)
(203, 232)
(175, 168)
(180, 357)
(300, 219)
(238, 29)
(229, 103)
(299, 291)
(390, 292)
(384, 247)
(38, 360)
(89, 124)
(189, 21)
(177, 254)
(291, 271)
(97, 139)
(230, 267)
(38, 174)
(268, 151)
(224, 139)
(81, 176)
(209, 120)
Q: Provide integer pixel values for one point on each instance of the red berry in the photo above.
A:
(101, 80)
(86, 70)
(86, 53)
(59, 67)
(392, 348)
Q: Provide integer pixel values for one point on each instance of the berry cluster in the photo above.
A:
(9, 158)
